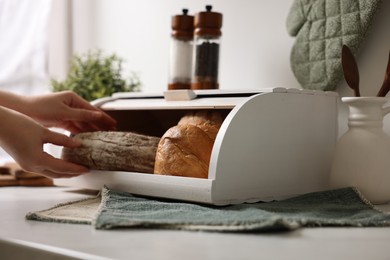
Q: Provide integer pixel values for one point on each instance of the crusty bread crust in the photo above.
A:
(185, 149)
(121, 151)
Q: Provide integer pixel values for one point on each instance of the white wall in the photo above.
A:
(254, 50)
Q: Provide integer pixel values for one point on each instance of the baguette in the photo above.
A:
(114, 151)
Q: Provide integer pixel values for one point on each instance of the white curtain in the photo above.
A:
(70, 31)
(24, 45)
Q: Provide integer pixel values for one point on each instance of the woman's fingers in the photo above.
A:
(60, 168)
(60, 139)
(54, 167)
(56, 175)
(95, 118)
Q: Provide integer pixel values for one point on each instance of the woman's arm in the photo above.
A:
(23, 139)
(23, 132)
(12, 101)
(64, 109)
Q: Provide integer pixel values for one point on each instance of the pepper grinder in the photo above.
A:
(206, 49)
(181, 49)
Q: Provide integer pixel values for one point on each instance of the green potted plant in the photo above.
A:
(94, 75)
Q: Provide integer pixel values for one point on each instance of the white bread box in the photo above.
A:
(273, 144)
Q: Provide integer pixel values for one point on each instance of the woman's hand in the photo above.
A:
(69, 111)
(23, 139)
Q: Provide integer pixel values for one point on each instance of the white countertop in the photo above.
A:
(24, 239)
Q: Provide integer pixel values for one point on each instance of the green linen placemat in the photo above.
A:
(115, 209)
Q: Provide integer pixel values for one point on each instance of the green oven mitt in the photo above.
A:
(321, 28)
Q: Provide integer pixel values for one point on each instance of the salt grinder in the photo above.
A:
(181, 49)
(207, 37)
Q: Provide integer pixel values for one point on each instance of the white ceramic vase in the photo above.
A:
(362, 155)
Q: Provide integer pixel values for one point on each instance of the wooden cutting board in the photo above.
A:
(12, 175)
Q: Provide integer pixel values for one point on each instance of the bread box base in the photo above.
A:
(273, 144)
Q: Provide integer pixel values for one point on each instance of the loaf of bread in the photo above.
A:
(185, 149)
(208, 121)
(122, 151)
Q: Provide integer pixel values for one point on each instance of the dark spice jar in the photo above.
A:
(181, 50)
(206, 49)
